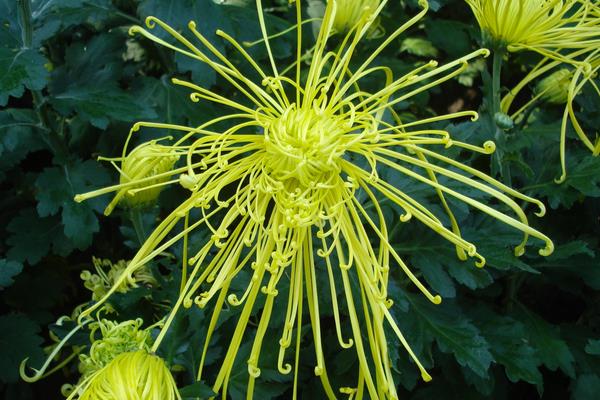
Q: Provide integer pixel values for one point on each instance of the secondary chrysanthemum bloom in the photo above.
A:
(565, 32)
(136, 375)
(292, 190)
(348, 15)
(562, 87)
(553, 28)
(116, 338)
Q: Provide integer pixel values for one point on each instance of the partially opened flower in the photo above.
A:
(553, 28)
(349, 14)
(136, 375)
(292, 190)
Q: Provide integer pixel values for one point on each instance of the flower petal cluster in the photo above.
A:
(293, 188)
(130, 376)
(553, 28)
(116, 338)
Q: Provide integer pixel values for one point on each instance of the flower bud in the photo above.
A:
(147, 160)
(555, 87)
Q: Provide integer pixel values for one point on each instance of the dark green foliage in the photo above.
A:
(520, 328)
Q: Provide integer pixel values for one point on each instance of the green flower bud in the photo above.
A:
(555, 87)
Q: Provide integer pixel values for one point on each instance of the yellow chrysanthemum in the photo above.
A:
(279, 190)
(349, 14)
(135, 375)
(116, 338)
(548, 27)
(564, 32)
(568, 83)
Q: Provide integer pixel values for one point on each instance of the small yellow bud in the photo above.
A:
(145, 161)
(555, 87)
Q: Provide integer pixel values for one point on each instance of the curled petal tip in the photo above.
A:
(480, 263)
(425, 376)
(542, 210)
(485, 52)
(549, 249)
(286, 369)
(519, 250)
(192, 25)
(23, 374)
(474, 116)
(424, 4)
(561, 178)
(134, 29)
(253, 371)
(437, 299)
(489, 147)
(151, 22)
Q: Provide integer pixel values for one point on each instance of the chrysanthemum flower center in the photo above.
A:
(304, 145)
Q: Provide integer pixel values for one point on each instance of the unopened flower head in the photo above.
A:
(555, 87)
(130, 376)
(553, 28)
(292, 191)
(107, 273)
(145, 161)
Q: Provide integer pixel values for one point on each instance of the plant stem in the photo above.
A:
(25, 19)
(496, 74)
(50, 136)
(138, 225)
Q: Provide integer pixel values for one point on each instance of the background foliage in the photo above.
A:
(520, 328)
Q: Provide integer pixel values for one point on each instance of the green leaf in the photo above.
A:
(552, 350)
(429, 252)
(451, 36)
(19, 339)
(452, 331)
(19, 135)
(587, 387)
(435, 275)
(56, 188)
(593, 347)
(510, 347)
(20, 69)
(196, 390)
(8, 270)
(88, 83)
(208, 17)
(32, 237)
(419, 47)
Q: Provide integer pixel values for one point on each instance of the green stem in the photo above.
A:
(138, 225)
(25, 19)
(496, 75)
(51, 137)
